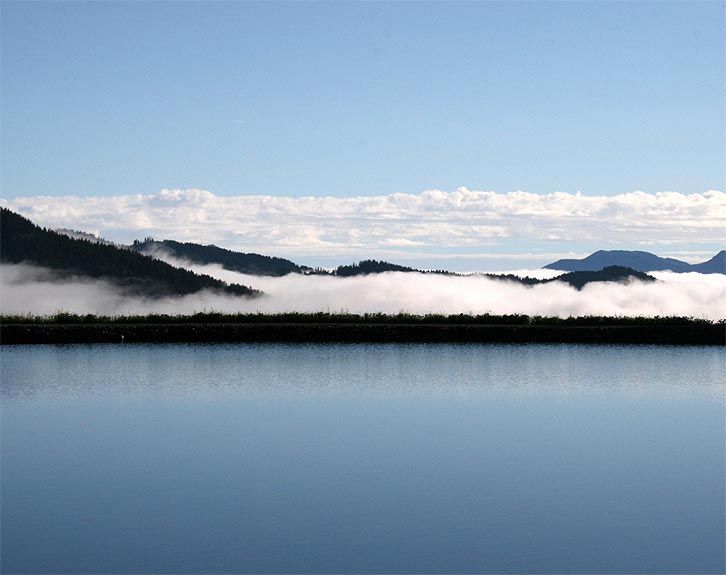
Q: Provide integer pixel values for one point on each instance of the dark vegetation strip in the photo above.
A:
(352, 318)
(326, 327)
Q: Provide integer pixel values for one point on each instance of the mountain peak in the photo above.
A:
(639, 261)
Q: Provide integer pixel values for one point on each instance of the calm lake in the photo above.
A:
(363, 459)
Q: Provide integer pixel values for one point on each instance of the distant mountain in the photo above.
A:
(639, 261)
(716, 265)
(23, 241)
(252, 264)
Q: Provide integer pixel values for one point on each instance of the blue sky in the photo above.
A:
(350, 99)
(211, 122)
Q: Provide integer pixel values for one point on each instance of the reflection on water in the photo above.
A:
(394, 368)
(362, 458)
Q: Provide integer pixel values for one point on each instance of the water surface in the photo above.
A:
(362, 459)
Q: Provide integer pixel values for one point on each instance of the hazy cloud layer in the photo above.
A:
(434, 224)
(24, 289)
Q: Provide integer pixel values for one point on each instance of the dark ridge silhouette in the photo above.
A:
(618, 274)
(523, 280)
(23, 241)
(244, 263)
(576, 279)
(639, 261)
(366, 267)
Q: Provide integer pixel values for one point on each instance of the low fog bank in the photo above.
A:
(30, 290)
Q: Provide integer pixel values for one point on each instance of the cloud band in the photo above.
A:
(445, 223)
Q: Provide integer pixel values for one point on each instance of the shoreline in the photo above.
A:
(359, 332)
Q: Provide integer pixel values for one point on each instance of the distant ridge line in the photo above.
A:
(639, 261)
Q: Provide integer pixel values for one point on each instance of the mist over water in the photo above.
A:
(31, 290)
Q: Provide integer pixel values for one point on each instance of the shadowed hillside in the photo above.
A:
(716, 265)
(23, 241)
(609, 274)
(244, 263)
(575, 279)
(366, 267)
(143, 274)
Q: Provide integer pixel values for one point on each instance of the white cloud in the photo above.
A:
(412, 225)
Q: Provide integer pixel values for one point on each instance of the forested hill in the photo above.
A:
(252, 264)
(579, 280)
(609, 274)
(23, 241)
(259, 265)
(366, 267)
(575, 279)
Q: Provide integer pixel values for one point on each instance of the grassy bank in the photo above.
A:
(343, 327)
(351, 318)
